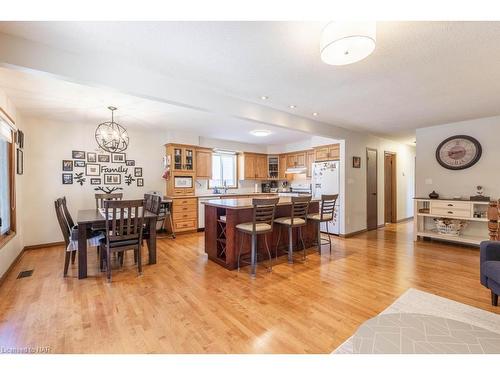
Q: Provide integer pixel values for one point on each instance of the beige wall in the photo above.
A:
(448, 183)
(47, 144)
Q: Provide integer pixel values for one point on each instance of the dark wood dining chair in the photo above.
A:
(100, 198)
(70, 233)
(124, 225)
(326, 215)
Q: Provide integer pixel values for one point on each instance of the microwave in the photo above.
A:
(183, 182)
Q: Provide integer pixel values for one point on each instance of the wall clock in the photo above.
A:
(458, 152)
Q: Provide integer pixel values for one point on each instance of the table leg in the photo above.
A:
(152, 241)
(253, 256)
(82, 251)
(290, 244)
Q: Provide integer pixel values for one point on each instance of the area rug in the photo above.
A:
(415, 306)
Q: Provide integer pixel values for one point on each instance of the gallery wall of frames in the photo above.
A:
(107, 172)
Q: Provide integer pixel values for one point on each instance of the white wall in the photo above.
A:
(47, 143)
(448, 183)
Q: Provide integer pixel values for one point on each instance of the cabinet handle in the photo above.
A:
(450, 204)
(450, 212)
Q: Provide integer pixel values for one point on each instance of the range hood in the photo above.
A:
(296, 170)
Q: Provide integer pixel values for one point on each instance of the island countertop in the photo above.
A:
(245, 203)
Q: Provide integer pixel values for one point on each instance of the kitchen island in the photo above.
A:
(222, 239)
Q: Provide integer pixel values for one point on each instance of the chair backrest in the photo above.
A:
(69, 219)
(300, 206)
(264, 210)
(152, 203)
(61, 219)
(100, 198)
(493, 220)
(124, 220)
(328, 205)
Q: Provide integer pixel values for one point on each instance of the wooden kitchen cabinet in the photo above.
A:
(282, 167)
(253, 166)
(326, 153)
(185, 214)
(296, 159)
(309, 162)
(204, 163)
(182, 158)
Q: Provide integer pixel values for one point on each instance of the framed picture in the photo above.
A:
(79, 164)
(119, 157)
(130, 163)
(67, 165)
(92, 169)
(113, 179)
(67, 178)
(356, 162)
(95, 181)
(78, 155)
(103, 158)
(138, 172)
(20, 161)
(91, 157)
(140, 182)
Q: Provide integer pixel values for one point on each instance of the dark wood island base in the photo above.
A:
(222, 239)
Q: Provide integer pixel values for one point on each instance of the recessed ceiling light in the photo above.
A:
(263, 97)
(315, 113)
(260, 132)
(292, 106)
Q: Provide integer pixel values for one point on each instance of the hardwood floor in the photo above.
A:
(186, 304)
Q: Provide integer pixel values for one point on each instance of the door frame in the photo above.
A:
(376, 185)
(394, 187)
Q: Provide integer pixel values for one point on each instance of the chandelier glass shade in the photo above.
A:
(345, 43)
(111, 136)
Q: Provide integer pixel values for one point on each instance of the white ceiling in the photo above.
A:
(49, 98)
(421, 73)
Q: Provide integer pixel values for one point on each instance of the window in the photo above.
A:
(223, 170)
(6, 180)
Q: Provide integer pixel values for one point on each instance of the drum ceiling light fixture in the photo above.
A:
(111, 136)
(345, 43)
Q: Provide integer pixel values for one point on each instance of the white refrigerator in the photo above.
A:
(326, 180)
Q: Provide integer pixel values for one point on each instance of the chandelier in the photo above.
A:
(111, 136)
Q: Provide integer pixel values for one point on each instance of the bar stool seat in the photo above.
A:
(259, 227)
(296, 221)
(325, 215)
(263, 218)
(317, 217)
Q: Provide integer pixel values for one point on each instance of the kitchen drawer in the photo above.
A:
(182, 225)
(451, 211)
(185, 208)
(185, 201)
(185, 215)
(184, 191)
(451, 204)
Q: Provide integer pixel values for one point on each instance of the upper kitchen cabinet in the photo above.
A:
(309, 162)
(182, 157)
(204, 163)
(328, 152)
(282, 167)
(253, 166)
(296, 159)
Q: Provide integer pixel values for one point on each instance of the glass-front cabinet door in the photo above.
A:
(178, 156)
(189, 163)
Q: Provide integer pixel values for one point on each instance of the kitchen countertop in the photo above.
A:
(219, 195)
(243, 203)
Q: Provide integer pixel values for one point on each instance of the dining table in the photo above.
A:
(93, 218)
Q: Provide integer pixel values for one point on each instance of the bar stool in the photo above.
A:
(262, 223)
(298, 219)
(325, 215)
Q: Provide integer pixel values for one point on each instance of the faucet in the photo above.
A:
(224, 183)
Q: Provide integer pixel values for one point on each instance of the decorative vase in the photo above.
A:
(434, 195)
